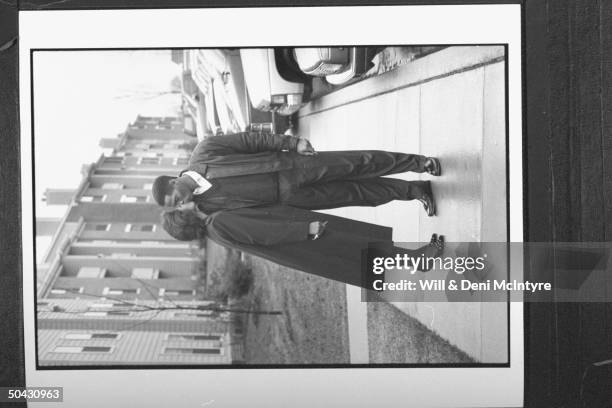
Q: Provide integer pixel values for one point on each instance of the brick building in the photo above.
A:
(110, 265)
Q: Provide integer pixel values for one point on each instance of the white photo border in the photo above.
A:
(381, 387)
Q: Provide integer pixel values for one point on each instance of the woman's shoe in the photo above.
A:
(432, 250)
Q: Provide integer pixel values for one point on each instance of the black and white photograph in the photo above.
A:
(200, 206)
(306, 204)
(218, 207)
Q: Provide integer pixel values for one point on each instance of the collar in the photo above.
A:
(203, 184)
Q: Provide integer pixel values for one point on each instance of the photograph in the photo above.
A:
(209, 206)
(314, 204)
(200, 210)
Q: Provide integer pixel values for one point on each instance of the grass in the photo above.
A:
(395, 337)
(313, 327)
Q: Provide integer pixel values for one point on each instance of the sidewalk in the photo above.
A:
(449, 104)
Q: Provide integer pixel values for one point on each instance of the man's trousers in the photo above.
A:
(351, 178)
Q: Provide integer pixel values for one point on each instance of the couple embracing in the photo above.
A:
(255, 192)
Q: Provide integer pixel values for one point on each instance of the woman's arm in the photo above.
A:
(260, 228)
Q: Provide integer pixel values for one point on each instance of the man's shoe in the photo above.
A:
(427, 199)
(432, 166)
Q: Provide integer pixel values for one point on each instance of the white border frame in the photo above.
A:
(363, 387)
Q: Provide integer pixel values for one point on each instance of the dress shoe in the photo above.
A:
(427, 200)
(432, 250)
(437, 242)
(432, 166)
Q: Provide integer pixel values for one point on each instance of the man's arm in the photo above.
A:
(252, 227)
(243, 143)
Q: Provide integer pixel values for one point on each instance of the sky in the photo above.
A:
(83, 96)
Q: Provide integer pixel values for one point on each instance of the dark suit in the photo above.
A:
(280, 234)
(251, 169)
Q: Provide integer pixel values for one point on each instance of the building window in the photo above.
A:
(43, 307)
(134, 199)
(145, 273)
(109, 305)
(194, 337)
(91, 272)
(114, 159)
(149, 160)
(95, 242)
(122, 291)
(176, 292)
(122, 255)
(152, 154)
(140, 228)
(91, 336)
(181, 161)
(97, 198)
(83, 349)
(113, 186)
(104, 313)
(63, 291)
(193, 350)
(97, 227)
(199, 314)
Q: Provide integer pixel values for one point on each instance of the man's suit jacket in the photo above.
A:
(242, 154)
(280, 234)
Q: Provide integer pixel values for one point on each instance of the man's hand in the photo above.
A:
(188, 206)
(305, 148)
(316, 228)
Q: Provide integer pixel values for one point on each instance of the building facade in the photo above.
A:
(113, 287)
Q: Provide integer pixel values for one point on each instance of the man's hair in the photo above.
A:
(183, 225)
(161, 187)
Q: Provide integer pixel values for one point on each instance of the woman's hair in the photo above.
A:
(183, 225)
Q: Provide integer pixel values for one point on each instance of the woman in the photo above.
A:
(316, 243)
(187, 223)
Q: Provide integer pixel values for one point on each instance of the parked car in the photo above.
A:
(267, 89)
(228, 88)
(337, 64)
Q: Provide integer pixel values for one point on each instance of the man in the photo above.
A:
(252, 169)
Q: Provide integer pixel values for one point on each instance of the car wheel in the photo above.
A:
(287, 66)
